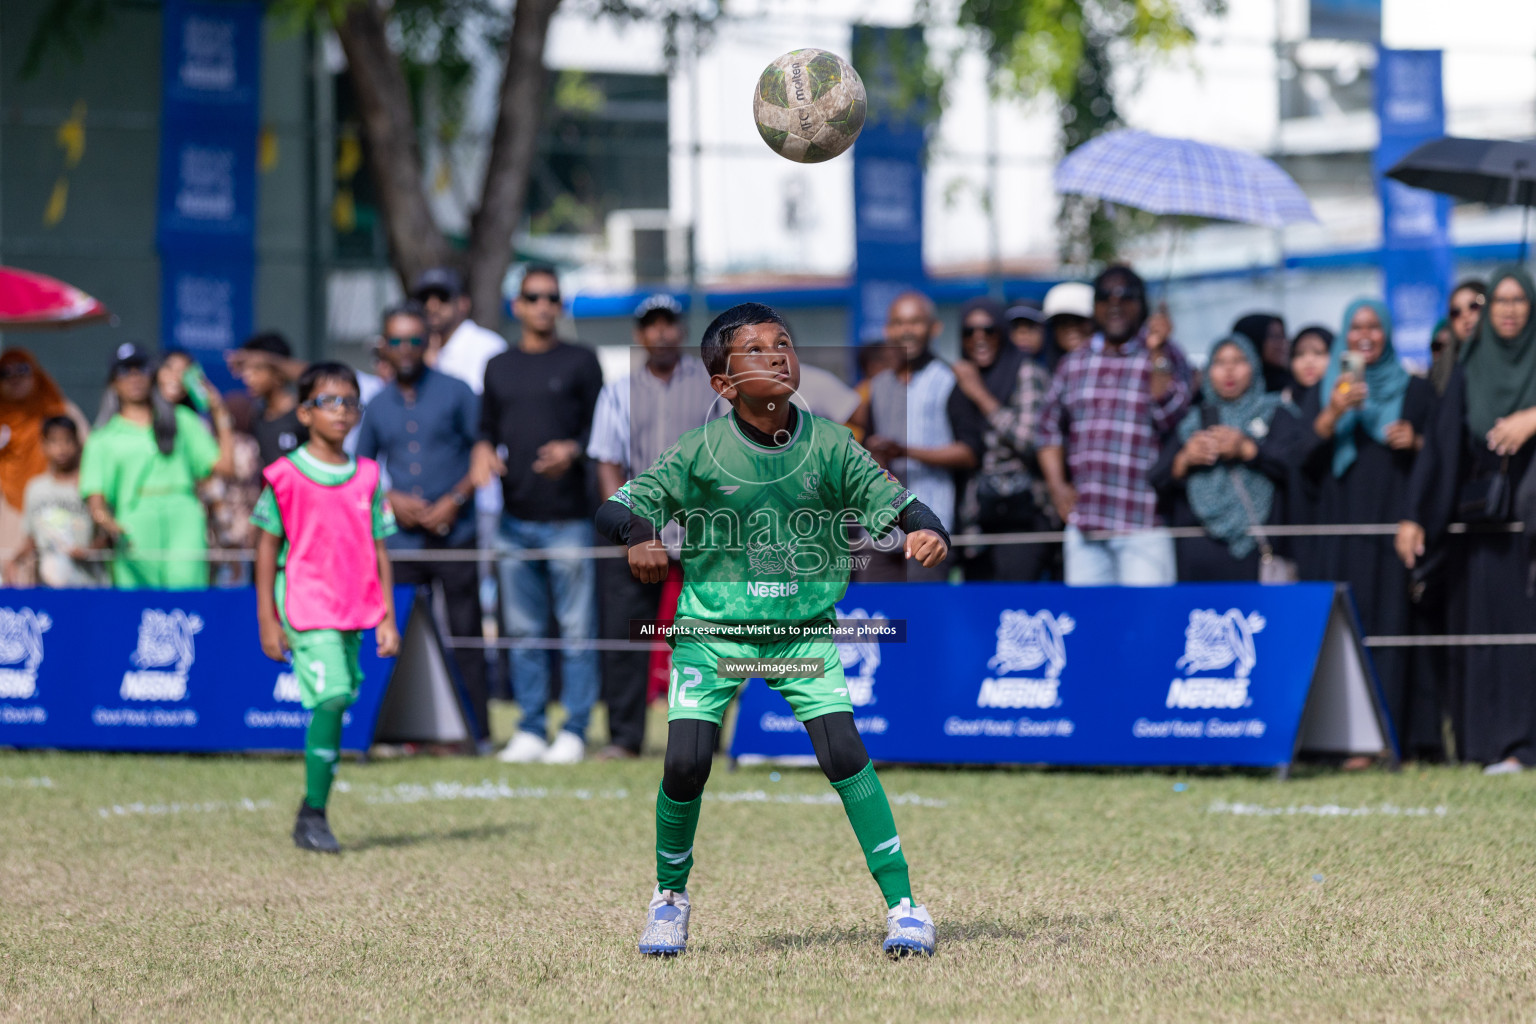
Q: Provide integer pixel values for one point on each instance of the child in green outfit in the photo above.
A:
(323, 576)
(765, 494)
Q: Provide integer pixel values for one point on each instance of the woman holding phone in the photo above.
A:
(139, 475)
(1374, 413)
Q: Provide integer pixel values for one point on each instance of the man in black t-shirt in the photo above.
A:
(275, 425)
(535, 421)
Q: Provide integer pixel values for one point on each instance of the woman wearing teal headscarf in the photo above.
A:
(1224, 466)
(1374, 418)
(1476, 466)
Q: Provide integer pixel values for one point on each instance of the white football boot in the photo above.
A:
(908, 930)
(666, 924)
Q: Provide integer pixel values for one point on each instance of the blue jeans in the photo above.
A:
(526, 588)
(1143, 559)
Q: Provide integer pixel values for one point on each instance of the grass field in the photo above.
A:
(166, 888)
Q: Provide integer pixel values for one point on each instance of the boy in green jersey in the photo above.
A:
(765, 497)
(322, 577)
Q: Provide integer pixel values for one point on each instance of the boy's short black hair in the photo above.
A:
(317, 373)
(715, 350)
(270, 342)
(61, 423)
(406, 307)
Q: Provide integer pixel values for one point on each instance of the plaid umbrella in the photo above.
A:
(1184, 177)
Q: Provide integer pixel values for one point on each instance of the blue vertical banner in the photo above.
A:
(1416, 255)
(210, 113)
(887, 177)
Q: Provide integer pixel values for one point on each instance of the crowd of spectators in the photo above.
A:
(1077, 422)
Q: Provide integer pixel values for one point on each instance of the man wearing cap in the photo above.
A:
(1026, 327)
(639, 416)
(458, 346)
(535, 423)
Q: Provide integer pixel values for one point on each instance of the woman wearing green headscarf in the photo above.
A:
(1374, 420)
(1476, 459)
(1225, 465)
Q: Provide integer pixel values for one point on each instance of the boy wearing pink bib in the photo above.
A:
(322, 577)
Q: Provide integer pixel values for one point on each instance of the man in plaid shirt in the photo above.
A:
(1105, 416)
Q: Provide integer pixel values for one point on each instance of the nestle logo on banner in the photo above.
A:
(1214, 642)
(208, 54)
(164, 655)
(204, 312)
(21, 651)
(1025, 643)
(863, 655)
(287, 688)
(207, 183)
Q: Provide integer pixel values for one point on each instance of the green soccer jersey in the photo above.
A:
(765, 529)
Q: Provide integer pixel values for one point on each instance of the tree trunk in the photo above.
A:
(415, 243)
(510, 162)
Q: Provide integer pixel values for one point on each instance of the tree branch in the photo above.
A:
(415, 242)
(510, 161)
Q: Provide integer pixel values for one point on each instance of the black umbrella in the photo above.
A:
(1494, 171)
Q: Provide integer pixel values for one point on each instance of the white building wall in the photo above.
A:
(759, 214)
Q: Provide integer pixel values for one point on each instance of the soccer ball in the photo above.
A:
(809, 105)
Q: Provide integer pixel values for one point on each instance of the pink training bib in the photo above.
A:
(332, 571)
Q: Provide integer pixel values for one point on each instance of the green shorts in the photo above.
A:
(325, 664)
(697, 691)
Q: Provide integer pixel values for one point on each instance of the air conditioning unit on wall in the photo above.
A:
(646, 247)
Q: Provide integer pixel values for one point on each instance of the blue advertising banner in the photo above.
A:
(206, 211)
(1011, 673)
(205, 303)
(1416, 254)
(887, 180)
(158, 670)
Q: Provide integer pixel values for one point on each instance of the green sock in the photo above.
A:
(322, 747)
(675, 826)
(869, 812)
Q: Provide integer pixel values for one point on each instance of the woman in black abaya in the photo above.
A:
(1375, 416)
(1476, 458)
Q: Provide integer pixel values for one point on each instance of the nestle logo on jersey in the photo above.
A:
(773, 589)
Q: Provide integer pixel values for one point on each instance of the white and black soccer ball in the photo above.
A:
(809, 105)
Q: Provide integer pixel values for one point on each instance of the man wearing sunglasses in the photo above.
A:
(535, 423)
(456, 345)
(1110, 406)
(422, 429)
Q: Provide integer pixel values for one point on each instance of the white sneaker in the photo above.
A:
(666, 924)
(568, 748)
(525, 748)
(908, 929)
(1508, 767)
